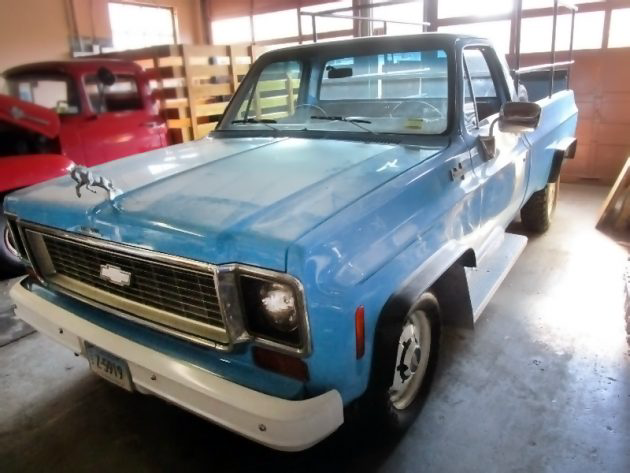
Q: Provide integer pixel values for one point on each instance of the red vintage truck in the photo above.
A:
(63, 113)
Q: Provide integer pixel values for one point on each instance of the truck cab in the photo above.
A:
(104, 111)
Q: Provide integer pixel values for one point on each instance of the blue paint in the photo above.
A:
(350, 218)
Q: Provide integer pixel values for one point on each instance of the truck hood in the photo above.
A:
(29, 116)
(221, 199)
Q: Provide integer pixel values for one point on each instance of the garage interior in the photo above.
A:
(542, 383)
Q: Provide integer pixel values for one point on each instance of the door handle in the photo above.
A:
(457, 172)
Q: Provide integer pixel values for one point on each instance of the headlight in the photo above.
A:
(279, 306)
(271, 309)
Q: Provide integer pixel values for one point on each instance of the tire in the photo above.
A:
(397, 391)
(10, 264)
(537, 213)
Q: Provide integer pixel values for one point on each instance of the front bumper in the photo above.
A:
(276, 423)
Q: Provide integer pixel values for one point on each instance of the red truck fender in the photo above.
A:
(26, 170)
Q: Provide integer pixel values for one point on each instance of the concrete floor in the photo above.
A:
(542, 384)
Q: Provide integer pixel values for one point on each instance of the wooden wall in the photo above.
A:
(601, 81)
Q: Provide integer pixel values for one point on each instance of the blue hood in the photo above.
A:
(220, 199)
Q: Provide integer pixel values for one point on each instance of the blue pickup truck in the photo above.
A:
(298, 264)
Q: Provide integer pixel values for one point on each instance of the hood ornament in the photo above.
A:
(84, 177)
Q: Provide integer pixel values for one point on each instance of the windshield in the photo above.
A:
(55, 92)
(397, 92)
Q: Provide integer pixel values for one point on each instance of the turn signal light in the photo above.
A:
(280, 363)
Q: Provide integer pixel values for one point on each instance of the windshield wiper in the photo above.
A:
(354, 121)
(262, 121)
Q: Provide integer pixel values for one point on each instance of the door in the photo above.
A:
(501, 178)
(120, 124)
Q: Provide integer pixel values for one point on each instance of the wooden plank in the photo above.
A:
(209, 90)
(205, 50)
(274, 115)
(186, 52)
(241, 69)
(178, 122)
(615, 213)
(211, 108)
(209, 70)
(276, 85)
(206, 128)
(278, 101)
(171, 61)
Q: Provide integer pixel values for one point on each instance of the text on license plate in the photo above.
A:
(109, 366)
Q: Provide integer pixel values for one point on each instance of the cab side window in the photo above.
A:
(484, 90)
(122, 95)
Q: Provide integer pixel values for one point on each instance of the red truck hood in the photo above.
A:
(28, 115)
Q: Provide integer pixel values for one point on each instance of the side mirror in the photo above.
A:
(519, 117)
(514, 117)
(105, 76)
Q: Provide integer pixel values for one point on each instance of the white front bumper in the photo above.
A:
(274, 422)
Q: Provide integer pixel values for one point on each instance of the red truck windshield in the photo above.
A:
(55, 91)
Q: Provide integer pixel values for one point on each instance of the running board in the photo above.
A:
(485, 279)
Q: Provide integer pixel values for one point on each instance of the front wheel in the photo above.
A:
(399, 387)
(538, 211)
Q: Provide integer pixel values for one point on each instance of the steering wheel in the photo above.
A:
(310, 105)
(425, 105)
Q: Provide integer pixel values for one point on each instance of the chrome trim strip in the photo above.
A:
(146, 323)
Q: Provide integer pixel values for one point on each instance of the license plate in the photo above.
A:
(109, 366)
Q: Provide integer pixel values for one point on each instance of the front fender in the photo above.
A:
(29, 169)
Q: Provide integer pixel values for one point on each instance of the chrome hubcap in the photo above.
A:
(414, 346)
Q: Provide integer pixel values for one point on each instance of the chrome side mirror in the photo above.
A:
(514, 117)
(519, 117)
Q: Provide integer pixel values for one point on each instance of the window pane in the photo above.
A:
(452, 8)
(410, 12)
(232, 31)
(325, 24)
(55, 92)
(619, 28)
(137, 26)
(536, 32)
(121, 96)
(482, 83)
(280, 24)
(530, 4)
(496, 31)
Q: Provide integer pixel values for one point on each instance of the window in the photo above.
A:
(409, 12)
(280, 24)
(275, 93)
(536, 33)
(498, 32)
(456, 8)
(487, 101)
(619, 32)
(232, 30)
(138, 26)
(327, 24)
(121, 96)
(56, 92)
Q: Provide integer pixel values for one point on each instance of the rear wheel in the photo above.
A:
(537, 213)
(10, 264)
(396, 395)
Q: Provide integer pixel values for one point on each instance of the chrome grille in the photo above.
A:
(179, 297)
(182, 292)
